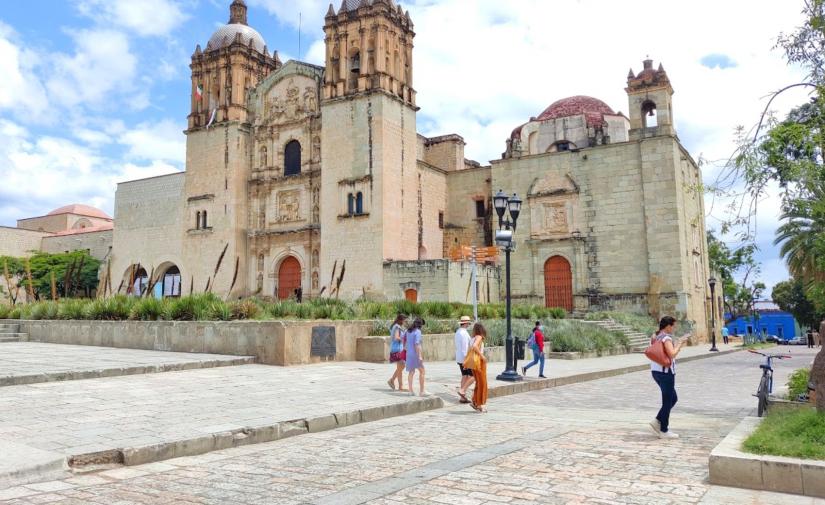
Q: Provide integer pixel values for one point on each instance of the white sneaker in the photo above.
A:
(656, 425)
(426, 393)
(668, 434)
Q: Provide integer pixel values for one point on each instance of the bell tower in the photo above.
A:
(369, 174)
(236, 59)
(650, 98)
(369, 47)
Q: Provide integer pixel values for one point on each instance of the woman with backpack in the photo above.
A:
(536, 344)
(662, 354)
(397, 353)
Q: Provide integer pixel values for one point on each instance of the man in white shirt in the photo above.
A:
(462, 346)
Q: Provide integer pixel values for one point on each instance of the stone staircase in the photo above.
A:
(637, 342)
(10, 332)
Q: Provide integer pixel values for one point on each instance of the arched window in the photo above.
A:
(141, 280)
(198, 220)
(292, 158)
(204, 222)
(171, 282)
(649, 115)
(359, 203)
(350, 204)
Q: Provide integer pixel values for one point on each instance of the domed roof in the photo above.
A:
(80, 210)
(225, 35)
(592, 108)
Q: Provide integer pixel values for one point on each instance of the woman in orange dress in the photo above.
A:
(480, 373)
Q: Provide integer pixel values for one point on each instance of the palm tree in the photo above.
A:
(802, 235)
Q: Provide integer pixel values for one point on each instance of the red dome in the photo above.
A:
(81, 210)
(592, 108)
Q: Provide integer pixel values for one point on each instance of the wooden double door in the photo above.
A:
(558, 283)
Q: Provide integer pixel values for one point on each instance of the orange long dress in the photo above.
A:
(480, 393)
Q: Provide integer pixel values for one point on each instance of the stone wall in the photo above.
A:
(440, 280)
(462, 225)
(98, 243)
(271, 342)
(18, 242)
(148, 223)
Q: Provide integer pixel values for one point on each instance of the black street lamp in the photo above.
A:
(712, 282)
(504, 238)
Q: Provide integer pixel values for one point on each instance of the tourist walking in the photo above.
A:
(536, 343)
(414, 356)
(397, 352)
(725, 334)
(480, 371)
(462, 346)
(665, 376)
(810, 339)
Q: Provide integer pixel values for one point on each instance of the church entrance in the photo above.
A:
(289, 278)
(558, 283)
(411, 295)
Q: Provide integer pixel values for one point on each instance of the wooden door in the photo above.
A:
(289, 278)
(411, 295)
(558, 283)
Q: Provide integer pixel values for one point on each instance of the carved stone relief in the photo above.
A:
(555, 217)
(289, 205)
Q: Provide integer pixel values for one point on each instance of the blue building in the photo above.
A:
(769, 321)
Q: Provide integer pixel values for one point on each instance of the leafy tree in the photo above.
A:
(11, 273)
(731, 265)
(75, 274)
(790, 296)
(802, 235)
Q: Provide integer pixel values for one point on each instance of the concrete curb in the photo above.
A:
(728, 465)
(20, 380)
(131, 456)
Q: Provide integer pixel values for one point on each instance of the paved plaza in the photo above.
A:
(583, 443)
(32, 362)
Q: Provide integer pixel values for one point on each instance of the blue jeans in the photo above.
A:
(667, 383)
(538, 357)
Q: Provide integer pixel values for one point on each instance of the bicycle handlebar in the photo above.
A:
(774, 356)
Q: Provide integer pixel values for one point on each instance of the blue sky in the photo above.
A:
(97, 91)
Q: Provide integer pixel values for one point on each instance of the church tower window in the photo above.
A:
(359, 203)
(292, 158)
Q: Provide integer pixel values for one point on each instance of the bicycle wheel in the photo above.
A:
(762, 396)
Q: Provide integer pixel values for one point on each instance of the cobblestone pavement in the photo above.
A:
(42, 362)
(584, 443)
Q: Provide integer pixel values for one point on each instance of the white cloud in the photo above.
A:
(101, 65)
(20, 90)
(146, 18)
(310, 13)
(41, 173)
(161, 141)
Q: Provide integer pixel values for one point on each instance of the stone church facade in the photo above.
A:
(300, 177)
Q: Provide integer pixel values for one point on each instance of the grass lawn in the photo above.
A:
(791, 432)
(758, 345)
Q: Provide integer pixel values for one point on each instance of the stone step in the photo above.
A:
(4, 340)
(9, 328)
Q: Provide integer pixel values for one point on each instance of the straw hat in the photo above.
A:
(465, 319)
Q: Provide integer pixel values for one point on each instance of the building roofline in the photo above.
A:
(152, 177)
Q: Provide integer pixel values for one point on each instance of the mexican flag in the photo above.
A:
(199, 92)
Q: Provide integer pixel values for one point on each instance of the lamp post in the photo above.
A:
(712, 282)
(504, 238)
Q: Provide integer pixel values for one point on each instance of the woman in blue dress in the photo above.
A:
(414, 361)
(397, 334)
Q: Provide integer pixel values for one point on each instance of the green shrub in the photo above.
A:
(794, 433)
(440, 310)
(43, 310)
(15, 313)
(4, 311)
(147, 309)
(191, 308)
(117, 308)
(798, 382)
(220, 311)
(72, 308)
(406, 307)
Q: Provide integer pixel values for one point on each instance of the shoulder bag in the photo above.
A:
(657, 353)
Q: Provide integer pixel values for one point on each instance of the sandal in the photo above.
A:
(463, 397)
(391, 384)
(475, 407)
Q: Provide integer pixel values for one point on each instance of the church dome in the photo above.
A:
(80, 210)
(226, 34)
(592, 108)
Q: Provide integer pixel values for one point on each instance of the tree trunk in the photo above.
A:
(818, 378)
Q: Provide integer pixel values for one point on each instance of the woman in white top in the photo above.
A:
(665, 377)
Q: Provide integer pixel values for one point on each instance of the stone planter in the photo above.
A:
(583, 355)
(730, 466)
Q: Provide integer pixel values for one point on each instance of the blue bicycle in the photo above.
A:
(766, 382)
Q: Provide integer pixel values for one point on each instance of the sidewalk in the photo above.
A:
(146, 418)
